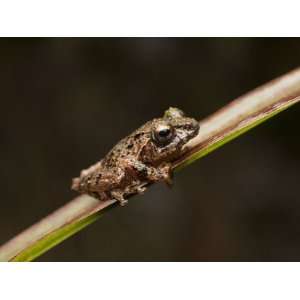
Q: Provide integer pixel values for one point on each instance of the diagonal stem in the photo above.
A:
(226, 124)
(243, 114)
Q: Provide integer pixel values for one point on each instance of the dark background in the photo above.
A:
(65, 102)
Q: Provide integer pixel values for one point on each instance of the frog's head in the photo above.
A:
(170, 133)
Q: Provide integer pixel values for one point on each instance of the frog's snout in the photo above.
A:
(194, 128)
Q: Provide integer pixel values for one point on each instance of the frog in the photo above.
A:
(143, 157)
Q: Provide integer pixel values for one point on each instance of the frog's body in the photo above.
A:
(144, 156)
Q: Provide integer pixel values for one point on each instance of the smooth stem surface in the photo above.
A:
(226, 124)
(54, 228)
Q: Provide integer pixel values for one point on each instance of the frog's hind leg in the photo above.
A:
(100, 195)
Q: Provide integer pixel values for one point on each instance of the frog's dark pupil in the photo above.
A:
(164, 132)
(162, 135)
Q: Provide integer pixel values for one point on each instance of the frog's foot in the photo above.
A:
(119, 195)
(141, 189)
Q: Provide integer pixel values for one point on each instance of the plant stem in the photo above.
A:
(226, 124)
(243, 114)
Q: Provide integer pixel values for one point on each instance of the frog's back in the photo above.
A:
(129, 146)
(103, 175)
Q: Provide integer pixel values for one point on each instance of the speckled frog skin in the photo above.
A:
(143, 157)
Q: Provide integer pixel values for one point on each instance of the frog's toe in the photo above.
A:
(123, 202)
(119, 196)
(141, 189)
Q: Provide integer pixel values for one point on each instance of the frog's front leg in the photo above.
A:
(167, 173)
(161, 173)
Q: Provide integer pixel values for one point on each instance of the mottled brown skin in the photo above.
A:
(143, 157)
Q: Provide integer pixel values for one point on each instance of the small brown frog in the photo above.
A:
(143, 157)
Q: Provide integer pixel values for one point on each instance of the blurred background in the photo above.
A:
(66, 101)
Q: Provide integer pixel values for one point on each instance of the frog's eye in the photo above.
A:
(162, 134)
